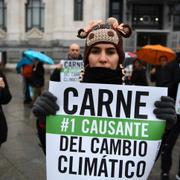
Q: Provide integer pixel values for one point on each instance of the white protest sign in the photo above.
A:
(177, 104)
(71, 70)
(103, 132)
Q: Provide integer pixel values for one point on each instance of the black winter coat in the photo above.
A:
(139, 78)
(37, 78)
(168, 76)
(5, 97)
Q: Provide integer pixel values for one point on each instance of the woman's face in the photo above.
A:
(103, 55)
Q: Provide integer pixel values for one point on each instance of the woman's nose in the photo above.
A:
(103, 57)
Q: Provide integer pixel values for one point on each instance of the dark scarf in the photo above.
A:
(102, 75)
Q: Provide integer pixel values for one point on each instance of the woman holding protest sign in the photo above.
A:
(102, 58)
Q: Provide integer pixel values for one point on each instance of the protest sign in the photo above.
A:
(103, 132)
(71, 70)
(177, 103)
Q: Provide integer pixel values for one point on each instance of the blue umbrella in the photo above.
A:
(38, 55)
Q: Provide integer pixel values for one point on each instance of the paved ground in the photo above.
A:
(21, 157)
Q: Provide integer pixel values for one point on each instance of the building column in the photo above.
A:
(15, 19)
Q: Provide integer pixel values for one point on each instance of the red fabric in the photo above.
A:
(27, 70)
(42, 125)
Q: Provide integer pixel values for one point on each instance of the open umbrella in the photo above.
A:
(152, 53)
(38, 55)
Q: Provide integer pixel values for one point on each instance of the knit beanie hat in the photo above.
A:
(109, 32)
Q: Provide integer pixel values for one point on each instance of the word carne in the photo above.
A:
(105, 100)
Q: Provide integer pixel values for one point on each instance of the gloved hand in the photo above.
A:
(165, 109)
(45, 105)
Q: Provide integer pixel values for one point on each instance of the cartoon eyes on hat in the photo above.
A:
(110, 33)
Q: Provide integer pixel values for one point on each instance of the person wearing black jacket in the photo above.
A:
(37, 78)
(168, 75)
(138, 76)
(102, 58)
(5, 97)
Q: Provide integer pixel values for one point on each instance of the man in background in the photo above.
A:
(168, 75)
(73, 54)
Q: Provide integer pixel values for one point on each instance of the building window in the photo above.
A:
(147, 16)
(78, 10)
(2, 15)
(116, 9)
(177, 17)
(35, 14)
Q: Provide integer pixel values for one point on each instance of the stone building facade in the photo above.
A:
(51, 25)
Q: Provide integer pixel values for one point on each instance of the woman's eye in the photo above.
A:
(111, 52)
(95, 51)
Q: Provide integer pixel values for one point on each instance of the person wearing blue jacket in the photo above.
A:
(24, 67)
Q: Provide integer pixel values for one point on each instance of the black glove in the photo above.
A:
(165, 109)
(45, 105)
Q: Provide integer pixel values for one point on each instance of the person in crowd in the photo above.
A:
(168, 75)
(102, 58)
(5, 97)
(73, 54)
(24, 67)
(138, 76)
(160, 74)
(37, 78)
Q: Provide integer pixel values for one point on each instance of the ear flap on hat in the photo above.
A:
(82, 34)
(125, 31)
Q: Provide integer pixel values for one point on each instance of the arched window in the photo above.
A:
(2, 15)
(35, 14)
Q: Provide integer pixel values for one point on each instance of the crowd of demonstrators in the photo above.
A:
(102, 58)
(168, 75)
(5, 97)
